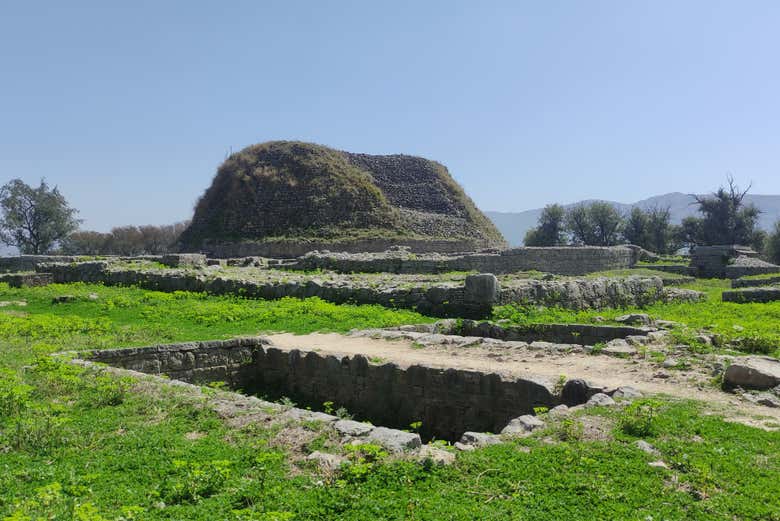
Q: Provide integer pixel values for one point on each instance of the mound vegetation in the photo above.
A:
(283, 190)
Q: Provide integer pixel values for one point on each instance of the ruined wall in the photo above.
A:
(30, 262)
(471, 300)
(580, 334)
(759, 295)
(18, 280)
(751, 283)
(226, 361)
(448, 402)
(560, 260)
(293, 249)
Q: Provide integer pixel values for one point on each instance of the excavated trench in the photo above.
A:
(442, 403)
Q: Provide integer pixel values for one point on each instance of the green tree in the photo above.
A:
(725, 218)
(772, 244)
(579, 224)
(34, 219)
(551, 229)
(635, 230)
(661, 233)
(688, 234)
(594, 224)
(607, 223)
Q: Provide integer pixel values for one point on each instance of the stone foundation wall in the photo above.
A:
(580, 334)
(228, 361)
(474, 299)
(448, 402)
(290, 249)
(559, 260)
(760, 295)
(752, 283)
(30, 262)
(18, 280)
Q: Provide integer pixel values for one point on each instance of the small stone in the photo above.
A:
(523, 425)
(479, 439)
(666, 324)
(600, 400)
(768, 400)
(658, 464)
(435, 455)
(63, 299)
(638, 340)
(93, 296)
(662, 375)
(619, 348)
(646, 447)
(658, 336)
(558, 411)
(394, 440)
(626, 393)
(462, 446)
(352, 428)
(670, 362)
(634, 318)
(599, 319)
(704, 339)
(326, 461)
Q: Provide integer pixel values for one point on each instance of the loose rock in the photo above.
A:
(523, 425)
(479, 439)
(435, 455)
(352, 428)
(753, 373)
(646, 447)
(626, 393)
(634, 318)
(326, 461)
(600, 400)
(394, 440)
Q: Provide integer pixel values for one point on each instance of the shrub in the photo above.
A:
(191, 481)
(638, 419)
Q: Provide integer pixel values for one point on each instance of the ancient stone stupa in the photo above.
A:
(285, 198)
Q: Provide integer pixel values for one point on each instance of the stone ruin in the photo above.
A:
(728, 261)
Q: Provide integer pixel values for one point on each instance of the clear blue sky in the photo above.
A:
(130, 108)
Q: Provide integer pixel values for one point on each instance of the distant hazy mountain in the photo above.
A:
(514, 225)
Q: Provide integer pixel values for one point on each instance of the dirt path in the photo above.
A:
(601, 370)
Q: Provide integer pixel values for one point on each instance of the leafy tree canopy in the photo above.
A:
(34, 219)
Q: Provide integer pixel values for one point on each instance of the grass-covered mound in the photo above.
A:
(284, 190)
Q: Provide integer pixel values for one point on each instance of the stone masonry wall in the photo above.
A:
(582, 334)
(472, 300)
(747, 295)
(559, 260)
(30, 262)
(293, 249)
(752, 283)
(448, 402)
(19, 280)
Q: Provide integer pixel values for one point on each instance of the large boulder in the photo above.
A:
(756, 372)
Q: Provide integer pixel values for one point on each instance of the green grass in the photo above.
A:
(639, 272)
(750, 327)
(75, 444)
(762, 276)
